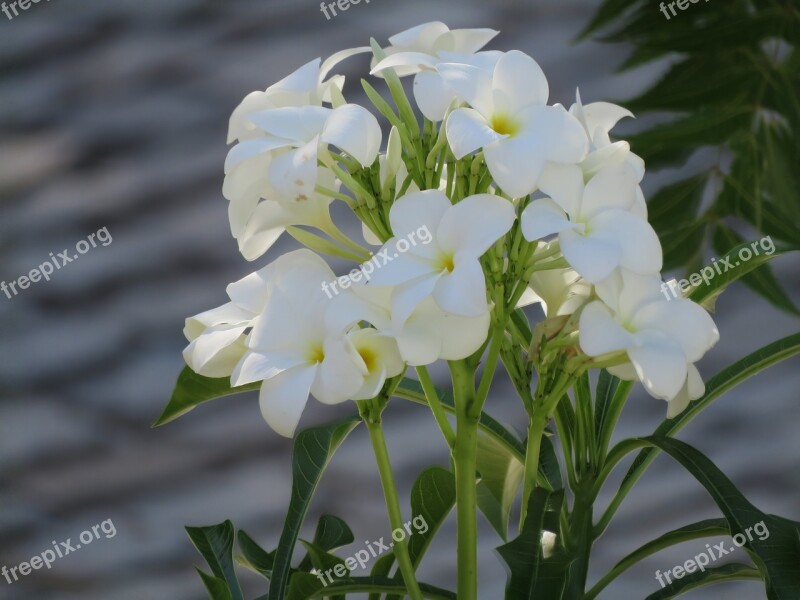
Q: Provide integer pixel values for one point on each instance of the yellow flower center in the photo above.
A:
(369, 357)
(505, 125)
(446, 262)
(316, 354)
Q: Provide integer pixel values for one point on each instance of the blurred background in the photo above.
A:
(115, 115)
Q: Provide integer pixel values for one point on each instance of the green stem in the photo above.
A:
(465, 458)
(400, 549)
(580, 545)
(536, 427)
(436, 406)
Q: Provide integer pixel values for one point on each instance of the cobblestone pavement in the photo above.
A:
(114, 114)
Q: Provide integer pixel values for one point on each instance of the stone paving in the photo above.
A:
(114, 115)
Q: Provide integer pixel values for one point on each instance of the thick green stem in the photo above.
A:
(465, 458)
(400, 549)
(536, 427)
(436, 406)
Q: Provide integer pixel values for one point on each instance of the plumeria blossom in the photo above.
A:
(427, 335)
(662, 339)
(307, 86)
(447, 269)
(597, 225)
(509, 119)
(560, 291)
(418, 50)
(293, 352)
(598, 119)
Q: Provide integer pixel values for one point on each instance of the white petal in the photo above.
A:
(465, 40)
(257, 366)
(414, 211)
(462, 292)
(468, 131)
(603, 116)
(402, 268)
(638, 242)
(612, 188)
(463, 336)
(405, 63)
(593, 258)
(216, 352)
(283, 398)
(408, 296)
(355, 130)
(473, 84)
(433, 95)
(543, 217)
(625, 372)
(363, 303)
(600, 333)
(518, 82)
(421, 36)
(294, 174)
(660, 364)
(335, 59)
(688, 323)
(369, 236)
(473, 225)
(693, 389)
(340, 375)
(296, 123)
(564, 184)
(304, 79)
(420, 337)
(557, 135)
(515, 164)
(250, 148)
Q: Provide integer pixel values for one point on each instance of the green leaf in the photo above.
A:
(411, 389)
(313, 449)
(193, 389)
(531, 576)
(305, 586)
(718, 385)
(381, 570)
(253, 556)
(733, 266)
(775, 552)
(610, 397)
(698, 579)
(332, 533)
(215, 543)
(501, 476)
(325, 563)
(216, 587)
(702, 529)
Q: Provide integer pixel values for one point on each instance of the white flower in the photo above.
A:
(663, 339)
(416, 51)
(293, 352)
(509, 118)
(448, 268)
(428, 335)
(560, 291)
(598, 230)
(306, 86)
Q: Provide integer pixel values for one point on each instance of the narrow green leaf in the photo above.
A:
(332, 533)
(313, 449)
(215, 543)
(217, 588)
(531, 576)
(253, 556)
(776, 551)
(193, 389)
(698, 579)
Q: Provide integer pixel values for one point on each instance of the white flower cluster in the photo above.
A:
(575, 192)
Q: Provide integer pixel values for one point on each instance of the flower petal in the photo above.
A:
(433, 95)
(544, 217)
(467, 131)
(296, 123)
(564, 184)
(518, 81)
(472, 83)
(612, 188)
(660, 364)
(462, 292)
(639, 245)
(685, 321)
(464, 40)
(474, 224)
(592, 257)
(355, 130)
(558, 136)
(341, 373)
(408, 296)
(283, 398)
(515, 164)
(463, 336)
(600, 333)
(416, 210)
(294, 175)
